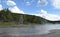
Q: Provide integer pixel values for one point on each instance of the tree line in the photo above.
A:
(7, 16)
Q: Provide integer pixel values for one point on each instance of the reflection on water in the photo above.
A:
(39, 29)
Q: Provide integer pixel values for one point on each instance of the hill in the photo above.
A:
(8, 16)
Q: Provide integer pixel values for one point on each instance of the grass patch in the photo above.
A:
(7, 24)
(14, 24)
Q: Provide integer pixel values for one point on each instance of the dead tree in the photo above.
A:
(21, 20)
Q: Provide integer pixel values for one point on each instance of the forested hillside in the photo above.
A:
(8, 16)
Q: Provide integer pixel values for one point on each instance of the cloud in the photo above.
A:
(15, 9)
(42, 2)
(11, 3)
(1, 8)
(47, 16)
(43, 12)
(52, 17)
(56, 4)
(28, 3)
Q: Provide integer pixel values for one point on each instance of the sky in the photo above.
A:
(48, 9)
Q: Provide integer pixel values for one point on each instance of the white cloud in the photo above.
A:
(43, 12)
(15, 9)
(56, 3)
(28, 3)
(1, 8)
(42, 2)
(47, 16)
(11, 3)
(52, 17)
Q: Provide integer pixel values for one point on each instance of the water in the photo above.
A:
(31, 30)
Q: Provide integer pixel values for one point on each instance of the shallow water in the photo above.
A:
(31, 30)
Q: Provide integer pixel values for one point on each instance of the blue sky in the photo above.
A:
(33, 7)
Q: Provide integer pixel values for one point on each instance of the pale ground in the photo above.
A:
(54, 33)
